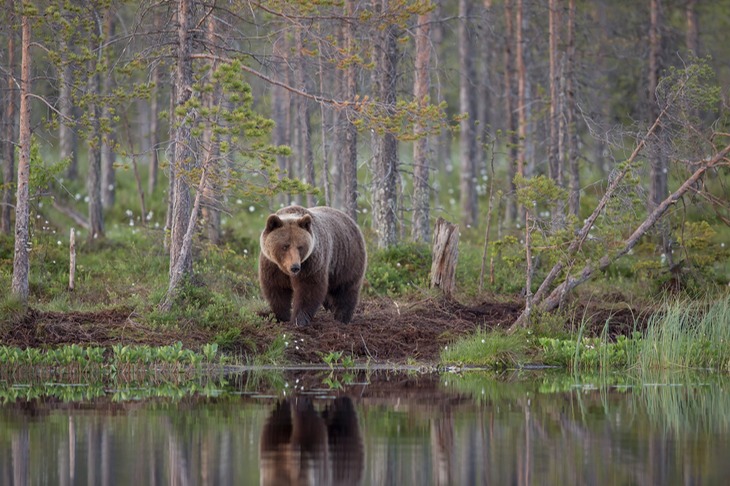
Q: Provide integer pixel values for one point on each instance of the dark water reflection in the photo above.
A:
(285, 427)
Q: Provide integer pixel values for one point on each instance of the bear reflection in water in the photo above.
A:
(300, 446)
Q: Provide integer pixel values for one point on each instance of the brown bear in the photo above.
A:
(309, 258)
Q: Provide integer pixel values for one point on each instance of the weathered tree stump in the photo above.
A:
(445, 256)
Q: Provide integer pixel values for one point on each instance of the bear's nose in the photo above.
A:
(295, 268)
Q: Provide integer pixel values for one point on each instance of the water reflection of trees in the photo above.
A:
(403, 430)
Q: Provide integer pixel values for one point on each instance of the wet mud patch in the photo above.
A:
(382, 331)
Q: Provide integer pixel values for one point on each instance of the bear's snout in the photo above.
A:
(295, 268)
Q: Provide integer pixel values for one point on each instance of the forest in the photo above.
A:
(571, 142)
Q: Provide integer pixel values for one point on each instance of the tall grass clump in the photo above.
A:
(688, 335)
(492, 349)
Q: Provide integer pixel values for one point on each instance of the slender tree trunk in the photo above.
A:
(152, 176)
(9, 134)
(304, 119)
(442, 161)
(556, 147)
(21, 262)
(554, 35)
(349, 156)
(421, 156)
(171, 167)
(659, 164)
(510, 214)
(108, 150)
(325, 127)
(182, 142)
(385, 178)
(93, 175)
(467, 136)
(178, 272)
(692, 35)
(210, 212)
(67, 138)
(570, 116)
(280, 103)
(521, 89)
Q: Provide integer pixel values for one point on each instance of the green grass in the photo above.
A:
(688, 335)
(494, 349)
(682, 335)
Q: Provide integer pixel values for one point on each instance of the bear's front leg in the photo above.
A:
(308, 298)
(280, 303)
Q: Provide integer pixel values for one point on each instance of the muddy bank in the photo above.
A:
(383, 330)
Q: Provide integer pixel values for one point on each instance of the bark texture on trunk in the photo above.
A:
(21, 262)
(385, 177)
(467, 135)
(445, 256)
(8, 134)
(421, 151)
(183, 154)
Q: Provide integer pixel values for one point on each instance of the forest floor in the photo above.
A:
(382, 331)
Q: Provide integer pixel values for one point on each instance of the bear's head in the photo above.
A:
(288, 241)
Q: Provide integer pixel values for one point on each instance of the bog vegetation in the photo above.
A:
(164, 133)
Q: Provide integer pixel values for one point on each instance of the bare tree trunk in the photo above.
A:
(692, 35)
(521, 89)
(556, 152)
(349, 157)
(171, 167)
(152, 175)
(178, 272)
(67, 137)
(93, 176)
(659, 170)
(183, 153)
(326, 123)
(385, 178)
(211, 147)
(304, 119)
(21, 262)
(9, 134)
(108, 154)
(467, 136)
(280, 103)
(510, 214)
(421, 155)
(570, 116)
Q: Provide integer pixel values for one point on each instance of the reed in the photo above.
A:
(688, 335)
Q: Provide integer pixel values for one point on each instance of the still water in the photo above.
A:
(279, 427)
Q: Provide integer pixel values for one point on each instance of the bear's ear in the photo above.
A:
(273, 222)
(305, 222)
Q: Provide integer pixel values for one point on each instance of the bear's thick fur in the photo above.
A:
(309, 258)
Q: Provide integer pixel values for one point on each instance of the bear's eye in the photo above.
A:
(300, 248)
(285, 247)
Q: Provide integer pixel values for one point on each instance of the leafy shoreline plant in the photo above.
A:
(72, 360)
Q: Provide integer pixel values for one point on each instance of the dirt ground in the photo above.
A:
(382, 331)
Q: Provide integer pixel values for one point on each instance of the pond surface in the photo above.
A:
(283, 427)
